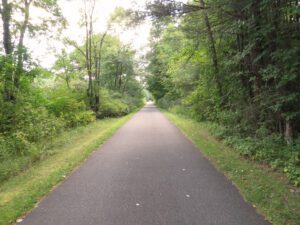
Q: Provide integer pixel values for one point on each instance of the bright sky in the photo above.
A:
(71, 10)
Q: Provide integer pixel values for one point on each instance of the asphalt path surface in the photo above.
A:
(148, 173)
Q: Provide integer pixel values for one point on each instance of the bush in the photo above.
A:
(22, 143)
(6, 150)
(37, 123)
(168, 102)
(74, 119)
(12, 166)
(133, 103)
(111, 105)
(28, 125)
(292, 166)
(70, 106)
(264, 147)
(61, 100)
(113, 108)
(23, 129)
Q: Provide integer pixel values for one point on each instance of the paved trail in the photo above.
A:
(148, 173)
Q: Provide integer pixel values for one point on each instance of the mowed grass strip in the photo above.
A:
(267, 190)
(21, 193)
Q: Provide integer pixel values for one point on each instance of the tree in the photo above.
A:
(65, 67)
(14, 31)
(93, 48)
(252, 46)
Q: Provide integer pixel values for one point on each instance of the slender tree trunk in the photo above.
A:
(88, 53)
(124, 86)
(120, 77)
(98, 73)
(116, 75)
(212, 49)
(256, 50)
(21, 42)
(6, 11)
(89, 71)
(243, 65)
(288, 134)
(68, 82)
(97, 76)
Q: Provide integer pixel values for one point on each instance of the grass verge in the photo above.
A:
(269, 191)
(20, 194)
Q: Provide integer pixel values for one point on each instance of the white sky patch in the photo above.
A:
(44, 50)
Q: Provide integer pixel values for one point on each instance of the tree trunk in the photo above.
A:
(6, 11)
(98, 73)
(124, 86)
(6, 19)
(21, 42)
(88, 55)
(212, 50)
(256, 62)
(288, 134)
(116, 75)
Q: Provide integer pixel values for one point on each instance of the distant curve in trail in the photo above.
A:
(148, 173)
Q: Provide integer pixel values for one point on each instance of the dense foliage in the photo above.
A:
(36, 104)
(234, 64)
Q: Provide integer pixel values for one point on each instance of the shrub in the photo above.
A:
(263, 147)
(23, 129)
(62, 100)
(111, 105)
(5, 148)
(133, 103)
(37, 123)
(113, 108)
(70, 106)
(74, 119)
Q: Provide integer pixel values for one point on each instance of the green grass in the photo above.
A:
(267, 190)
(21, 193)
